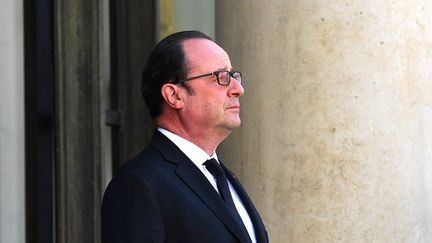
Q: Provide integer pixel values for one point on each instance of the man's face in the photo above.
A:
(212, 107)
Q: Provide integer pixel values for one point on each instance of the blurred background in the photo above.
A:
(336, 136)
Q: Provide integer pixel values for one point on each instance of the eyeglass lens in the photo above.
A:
(224, 77)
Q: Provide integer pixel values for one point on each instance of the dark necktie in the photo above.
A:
(216, 170)
(222, 183)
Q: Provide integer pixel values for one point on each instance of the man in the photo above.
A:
(176, 190)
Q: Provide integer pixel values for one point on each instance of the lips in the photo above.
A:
(234, 107)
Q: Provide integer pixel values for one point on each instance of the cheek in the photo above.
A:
(209, 105)
(200, 108)
(214, 105)
(207, 108)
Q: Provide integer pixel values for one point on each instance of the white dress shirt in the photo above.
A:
(198, 157)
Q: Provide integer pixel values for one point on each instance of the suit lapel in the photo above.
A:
(198, 183)
(260, 232)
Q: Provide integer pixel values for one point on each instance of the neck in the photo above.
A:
(206, 140)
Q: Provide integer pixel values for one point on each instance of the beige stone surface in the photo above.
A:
(336, 136)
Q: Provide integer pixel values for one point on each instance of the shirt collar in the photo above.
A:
(197, 155)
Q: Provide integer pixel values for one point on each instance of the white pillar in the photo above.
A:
(12, 179)
(336, 136)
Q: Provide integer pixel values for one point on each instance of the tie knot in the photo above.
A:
(214, 167)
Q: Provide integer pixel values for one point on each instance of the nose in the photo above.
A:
(235, 88)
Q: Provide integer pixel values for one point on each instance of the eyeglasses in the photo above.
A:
(223, 77)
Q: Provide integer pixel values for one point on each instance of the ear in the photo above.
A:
(171, 94)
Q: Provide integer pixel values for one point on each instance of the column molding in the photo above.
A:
(77, 31)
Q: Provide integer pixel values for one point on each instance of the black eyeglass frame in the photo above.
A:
(216, 73)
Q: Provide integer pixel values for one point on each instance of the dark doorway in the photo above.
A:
(39, 115)
(133, 35)
(63, 116)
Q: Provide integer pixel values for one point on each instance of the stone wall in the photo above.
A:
(336, 136)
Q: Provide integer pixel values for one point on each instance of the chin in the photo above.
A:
(235, 124)
(231, 123)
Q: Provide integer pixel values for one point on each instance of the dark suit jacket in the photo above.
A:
(161, 196)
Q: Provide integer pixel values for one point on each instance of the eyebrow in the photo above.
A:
(225, 69)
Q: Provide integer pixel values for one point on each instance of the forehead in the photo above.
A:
(203, 54)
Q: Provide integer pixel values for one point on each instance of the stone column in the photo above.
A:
(78, 60)
(336, 136)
